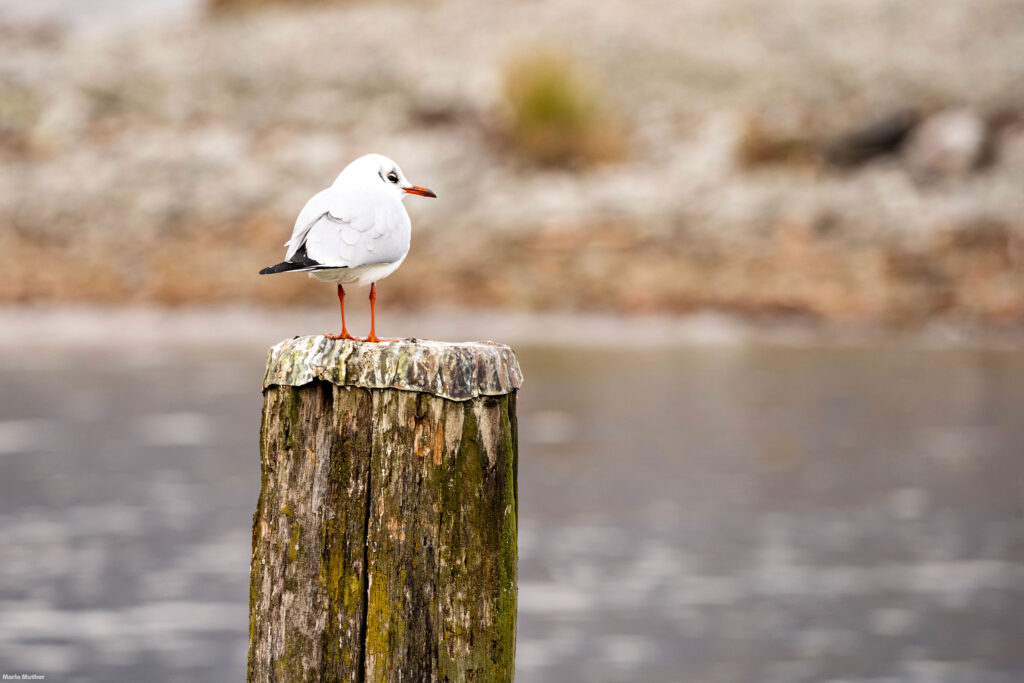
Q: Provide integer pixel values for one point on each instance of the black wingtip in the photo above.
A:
(282, 267)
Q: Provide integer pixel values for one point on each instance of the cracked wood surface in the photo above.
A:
(458, 371)
(384, 542)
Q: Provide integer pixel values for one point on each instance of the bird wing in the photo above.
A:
(312, 212)
(349, 227)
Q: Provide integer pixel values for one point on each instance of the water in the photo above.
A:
(687, 514)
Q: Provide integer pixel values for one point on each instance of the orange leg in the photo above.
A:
(373, 317)
(344, 330)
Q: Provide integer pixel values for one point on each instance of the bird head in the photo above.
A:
(376, 169)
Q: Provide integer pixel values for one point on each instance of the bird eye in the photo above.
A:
(393, 177)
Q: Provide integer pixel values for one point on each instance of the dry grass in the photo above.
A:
(766, 140)
(555, 117)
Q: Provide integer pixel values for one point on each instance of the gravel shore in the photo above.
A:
(165, 164)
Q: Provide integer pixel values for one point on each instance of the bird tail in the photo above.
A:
(300, 261)
(286, 266)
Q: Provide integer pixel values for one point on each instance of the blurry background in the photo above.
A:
(763, 263)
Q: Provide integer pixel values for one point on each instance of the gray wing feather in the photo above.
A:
(349, 227)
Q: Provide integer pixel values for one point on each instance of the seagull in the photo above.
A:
(354, 232)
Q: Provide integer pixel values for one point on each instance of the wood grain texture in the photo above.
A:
(384, 542)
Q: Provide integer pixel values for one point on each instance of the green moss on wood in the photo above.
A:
(295, 663)
(395, 544)
(293, 543)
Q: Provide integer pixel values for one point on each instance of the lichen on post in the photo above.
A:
(384, 541)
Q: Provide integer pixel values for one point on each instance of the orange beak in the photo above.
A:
(421, 191)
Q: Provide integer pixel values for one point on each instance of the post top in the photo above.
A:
(457, 371)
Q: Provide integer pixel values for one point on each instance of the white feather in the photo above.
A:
(355, 231)
(346, 227)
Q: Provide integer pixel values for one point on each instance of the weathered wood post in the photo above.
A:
(384, 543)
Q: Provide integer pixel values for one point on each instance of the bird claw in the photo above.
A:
(343, 335)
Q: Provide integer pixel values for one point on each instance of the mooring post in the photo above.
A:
(384, 542)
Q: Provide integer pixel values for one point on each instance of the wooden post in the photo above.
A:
(384, 543)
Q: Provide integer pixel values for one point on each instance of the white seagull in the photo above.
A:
(354, 232)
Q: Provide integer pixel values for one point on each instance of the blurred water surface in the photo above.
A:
(690, 514)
